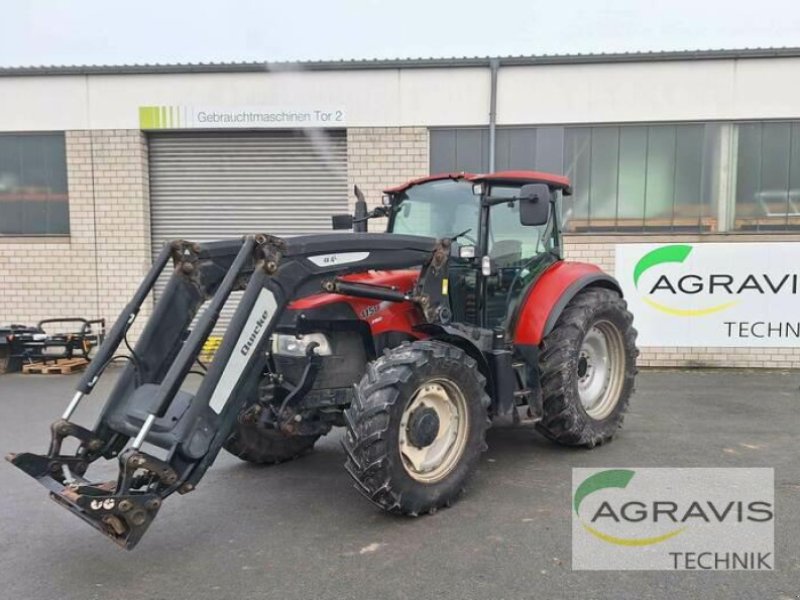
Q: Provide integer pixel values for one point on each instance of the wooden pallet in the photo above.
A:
(60, 366)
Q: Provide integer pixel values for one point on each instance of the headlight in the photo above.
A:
(296, 345)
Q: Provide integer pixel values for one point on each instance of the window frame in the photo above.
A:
(64, 175)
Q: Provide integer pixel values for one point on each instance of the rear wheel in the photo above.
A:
(261, 445)
(588, 364)
(416, 427)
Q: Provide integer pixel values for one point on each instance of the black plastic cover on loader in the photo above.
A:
(147, 404)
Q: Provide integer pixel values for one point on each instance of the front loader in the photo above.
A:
(413, 340)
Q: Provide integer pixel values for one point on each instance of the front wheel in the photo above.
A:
(258, 444)
(416, 427)
(588, 365)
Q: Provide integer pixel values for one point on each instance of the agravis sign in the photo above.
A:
(707, 294)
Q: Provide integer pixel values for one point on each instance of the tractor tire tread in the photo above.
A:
(367, 422)
(564, 421)
(267, 446)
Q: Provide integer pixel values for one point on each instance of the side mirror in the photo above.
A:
(534, 204)
(342, 221)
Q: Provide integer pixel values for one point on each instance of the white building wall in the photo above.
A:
(648, 92)
(754, 88)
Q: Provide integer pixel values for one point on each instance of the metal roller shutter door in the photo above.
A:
(213, 185)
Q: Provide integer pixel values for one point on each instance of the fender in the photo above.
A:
(549, 294)
(476, 348)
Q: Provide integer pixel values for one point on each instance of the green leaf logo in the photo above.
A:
(614, 478)
(676, 253)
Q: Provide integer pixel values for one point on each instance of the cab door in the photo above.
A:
(518, 254)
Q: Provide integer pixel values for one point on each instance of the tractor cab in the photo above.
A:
(505, 232)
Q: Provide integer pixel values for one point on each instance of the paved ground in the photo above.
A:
(300, 531)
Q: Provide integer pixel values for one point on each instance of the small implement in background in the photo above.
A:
(37, 350)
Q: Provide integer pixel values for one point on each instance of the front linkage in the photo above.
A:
(147, 405)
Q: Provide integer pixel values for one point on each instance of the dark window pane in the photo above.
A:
(33, 184)
(472, 150)
(10, 216)
(688, 199)
(577, 164)
(748, 169)
(794, 175)
(659, 191)
(768, 177)
(34, 217)
(443, 150)
(632, 169)
(58, 215)
(603, 177)
(516, 149)
(550, 149)
(775, 157)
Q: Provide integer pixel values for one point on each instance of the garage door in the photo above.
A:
(210, 185)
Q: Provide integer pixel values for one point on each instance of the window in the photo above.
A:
(638, 178)
(768, 177)
(650, 178)
(33, 184)
(518, 252)
(511, 244)
(439, 209)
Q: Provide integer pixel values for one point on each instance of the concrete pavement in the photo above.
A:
(299, 530)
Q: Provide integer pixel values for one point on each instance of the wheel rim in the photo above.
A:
(427, 457)
(601, 366)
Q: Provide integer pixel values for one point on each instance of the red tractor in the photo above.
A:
(413, 340)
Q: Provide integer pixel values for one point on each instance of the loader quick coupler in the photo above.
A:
(111, 507)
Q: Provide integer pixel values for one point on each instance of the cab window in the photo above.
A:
(438, 209)
(510, 242)
(515, 250)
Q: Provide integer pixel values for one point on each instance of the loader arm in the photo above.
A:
(147, 404)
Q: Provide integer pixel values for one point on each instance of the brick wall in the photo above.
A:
(380, 157)
(600, 250)
(93, 271)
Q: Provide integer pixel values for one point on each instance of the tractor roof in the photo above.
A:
(520, 177)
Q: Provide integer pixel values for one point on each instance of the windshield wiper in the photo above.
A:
(454, 237)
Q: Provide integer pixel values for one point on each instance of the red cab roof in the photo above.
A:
(555, 181)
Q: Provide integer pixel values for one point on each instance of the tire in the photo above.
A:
(577, 410)
(260, 445)
(4, 360)
(391, 405)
